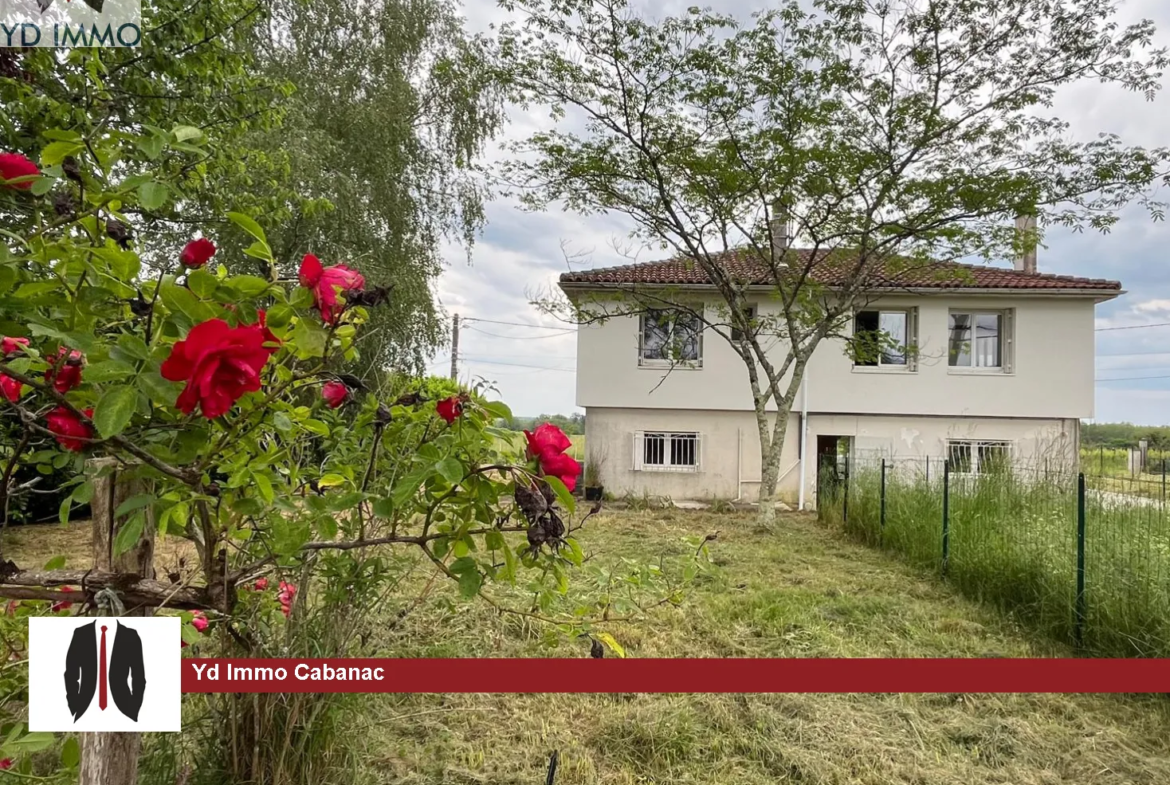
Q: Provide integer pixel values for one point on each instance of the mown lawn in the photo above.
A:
(803, 591)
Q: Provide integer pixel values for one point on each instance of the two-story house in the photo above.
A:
(997, 362)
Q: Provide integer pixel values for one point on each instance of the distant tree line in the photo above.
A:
(573, 424)
(1113, 435)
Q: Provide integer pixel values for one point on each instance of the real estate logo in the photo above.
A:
(104, 674)
(70, 23)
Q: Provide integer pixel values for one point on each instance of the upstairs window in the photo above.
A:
(884, 338)
(666, 452)
(670, 337)
(749, 314)
(980, 339)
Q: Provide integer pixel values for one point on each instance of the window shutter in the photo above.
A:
(912, 339)
(1009, 341)
(639, 438)
(698, 452)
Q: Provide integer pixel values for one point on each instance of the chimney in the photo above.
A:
(1027, 240)
(780, 229)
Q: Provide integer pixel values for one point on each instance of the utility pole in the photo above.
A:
(455, 349)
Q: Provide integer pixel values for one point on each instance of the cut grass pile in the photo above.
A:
(803, 591)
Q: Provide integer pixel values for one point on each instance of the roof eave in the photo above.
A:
(1099, 295)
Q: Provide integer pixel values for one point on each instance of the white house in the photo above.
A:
(1003, 365)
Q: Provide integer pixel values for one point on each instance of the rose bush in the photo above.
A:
(221, 393)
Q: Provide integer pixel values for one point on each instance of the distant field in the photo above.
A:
(577, 450)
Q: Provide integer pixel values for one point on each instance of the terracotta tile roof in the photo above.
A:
(832, 269)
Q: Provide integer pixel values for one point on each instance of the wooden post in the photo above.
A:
(112, 758)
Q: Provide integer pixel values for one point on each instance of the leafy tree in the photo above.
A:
(887, 135)
(392, 104)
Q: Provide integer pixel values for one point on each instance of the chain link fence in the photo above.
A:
(1083, 558)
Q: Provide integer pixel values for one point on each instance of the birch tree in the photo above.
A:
(884, 135)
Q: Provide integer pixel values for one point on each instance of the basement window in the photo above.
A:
(749, 315)
(666, 451)
(979, 457)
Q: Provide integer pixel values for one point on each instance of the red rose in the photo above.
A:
(327, 283)
(287, 592)
(5, 764)
(62, 605)
(64, 371)
(547, 445)
(334, 393)
(547, 438)
(68, 429)
(261, 584)
(219, 364)
(14, 166)
(200, 621)
(10, 346)
(10, 388)
(563, 467)
(449, 408)
(197, 252)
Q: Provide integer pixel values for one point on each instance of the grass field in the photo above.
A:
(805, 591)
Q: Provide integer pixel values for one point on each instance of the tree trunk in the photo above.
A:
(112, 758)
(770, 474)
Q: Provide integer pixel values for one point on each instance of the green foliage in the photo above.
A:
(1123, 434)
(573, 424)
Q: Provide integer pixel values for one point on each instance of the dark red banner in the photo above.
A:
(675, 675)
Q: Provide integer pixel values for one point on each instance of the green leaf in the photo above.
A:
(135, 503)
(470, 579)
(64, 509)
(109, 370)
(249, 225)
(55, 563)
(498, 409)
(383, 508)
(309, 338)
(185, 133)
(55, 152)
(264, 485)
(185, 302)
(152, 194)
(151, 146)
(612, 644)
(331, 480)
(42, 185)
(282, 422)
(202, 283)
(248, 285)
(158, 389)
(259, 250)
(563, 495)
(115, 410)
(128, 536)
(30, 743)
(83, 493)
(134, 346)
(450, 469)
(71, 752)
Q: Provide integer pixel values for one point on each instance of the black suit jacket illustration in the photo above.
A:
(125, 672)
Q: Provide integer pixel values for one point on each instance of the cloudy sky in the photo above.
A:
(531, 357)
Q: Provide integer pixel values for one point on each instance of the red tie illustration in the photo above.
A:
(102, 675)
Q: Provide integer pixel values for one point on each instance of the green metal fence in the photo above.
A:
(1083, 558)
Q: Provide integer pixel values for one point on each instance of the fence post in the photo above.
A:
(1080, 620)
(1163, 480)
(845, 500)
(112, 758)
(882, 517)
(946, 538)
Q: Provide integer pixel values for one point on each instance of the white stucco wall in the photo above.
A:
(1052, 376)
(730, 461)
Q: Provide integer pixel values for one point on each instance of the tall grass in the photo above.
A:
(1012, 542)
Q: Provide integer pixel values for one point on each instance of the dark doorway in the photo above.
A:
(832, 452)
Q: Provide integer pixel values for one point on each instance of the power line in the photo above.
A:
(1132, 327)
(520, 324)
(525, 356)
(520, 337)
(1133, 378)
(521, 365)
